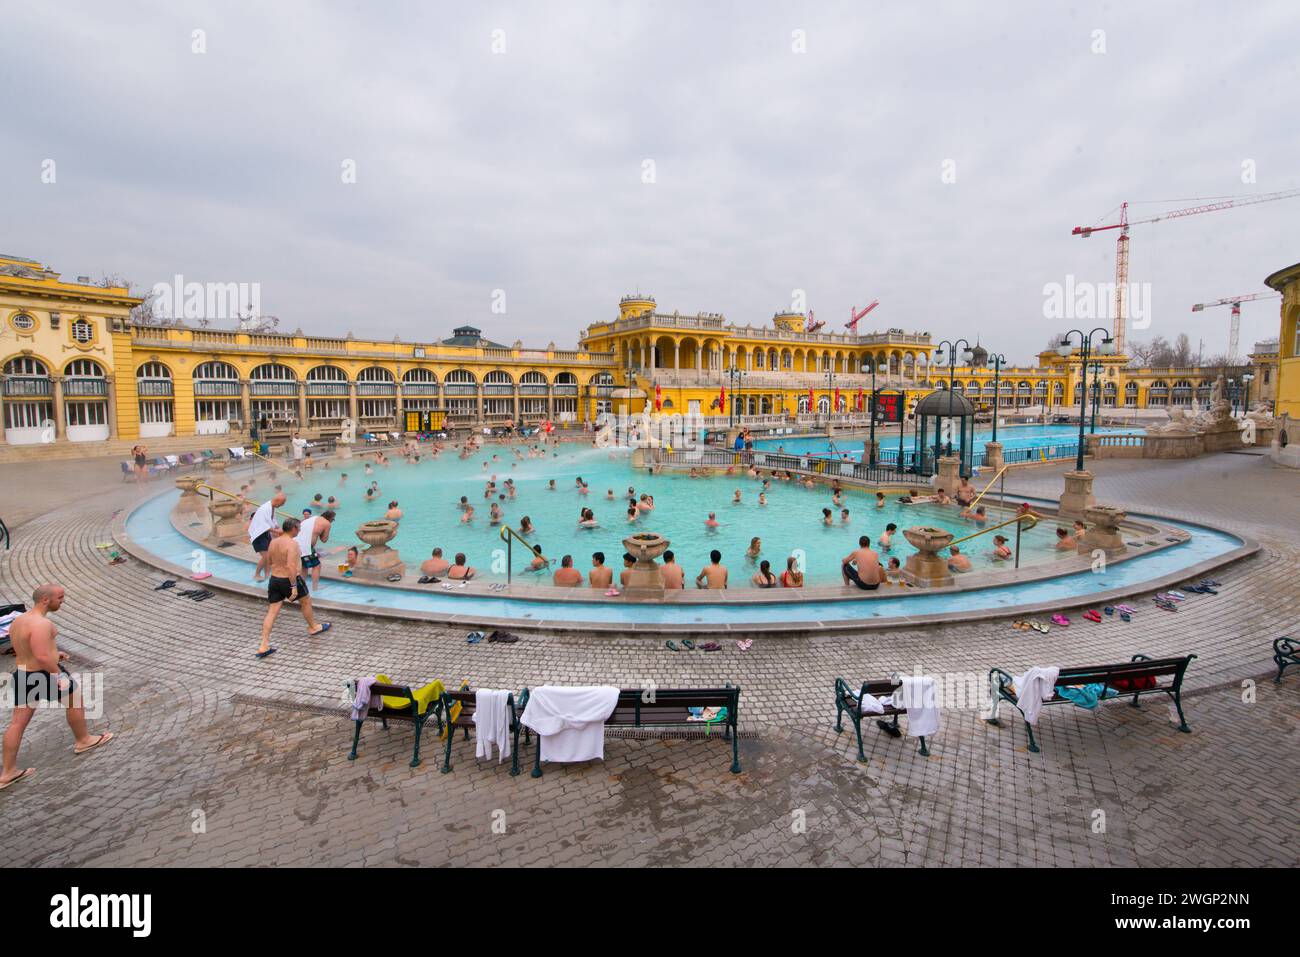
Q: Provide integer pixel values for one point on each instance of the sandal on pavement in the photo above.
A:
(27, 773)
(104, 738)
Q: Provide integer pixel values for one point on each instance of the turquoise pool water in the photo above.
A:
(791, 523)
(150, 527)
(1011, 437)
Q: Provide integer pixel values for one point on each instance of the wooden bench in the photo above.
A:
(464, 720)
(407, 712)
(1139, 668)
(669, 708)
(1286, 653)
(845, 701)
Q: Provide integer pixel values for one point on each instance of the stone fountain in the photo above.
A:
(646, 578)
(926, 568)
(190, 500)
(378, 560)
(1103, 530)
(226, 521)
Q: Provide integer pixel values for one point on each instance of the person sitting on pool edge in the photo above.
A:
(459, 571)
(862, 566)
(628, 562)
(958, 562)
(764, 577)
(566, 576)
(601, 575)
(435, 566)
(792, 577)
(674, 577)
(713, 575)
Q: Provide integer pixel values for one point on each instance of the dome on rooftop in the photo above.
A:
(945, 404)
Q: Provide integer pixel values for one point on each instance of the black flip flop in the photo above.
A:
(169, 583)
(264, 654)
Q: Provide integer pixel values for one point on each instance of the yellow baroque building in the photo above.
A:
(1287, 282)
(77, 369)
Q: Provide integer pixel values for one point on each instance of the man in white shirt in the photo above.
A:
(261, 529)
(313, 530)
(299, 445)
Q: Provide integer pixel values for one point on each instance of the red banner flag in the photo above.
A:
(812, 401)
(836, 406)
(722, 400)
(658, 396)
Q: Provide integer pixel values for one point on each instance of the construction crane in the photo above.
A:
(1121, 249)
(855, 316)
(1234, 328)
(813, 324)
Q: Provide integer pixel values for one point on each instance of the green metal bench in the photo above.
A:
(846, 702)
(1286, 654)
(464, 720)
(407, 712)
(670, 707)
(1139, 668)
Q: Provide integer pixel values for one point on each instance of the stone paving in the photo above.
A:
(207, 734)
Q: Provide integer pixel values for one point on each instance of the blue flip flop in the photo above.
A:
(264, 654)
(324, 627)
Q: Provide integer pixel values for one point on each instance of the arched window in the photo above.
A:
(153, 379)
(327, 374)
(374, 374)
(273, 372)
(217, 370)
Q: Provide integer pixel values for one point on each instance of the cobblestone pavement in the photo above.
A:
(252, 751)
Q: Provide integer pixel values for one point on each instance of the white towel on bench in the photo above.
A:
(1035, 686)
(917, 695)
(491, 723)
(570, 721)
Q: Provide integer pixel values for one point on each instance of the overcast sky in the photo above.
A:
(774, 170)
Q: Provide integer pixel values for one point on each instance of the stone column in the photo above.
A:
(948, 475)
(58, 406)
(399, 409)
(245, 404)
(1077, 495)
(302, 405)
(677, 356)
(993, 454)
(3, 440)
(111, 399)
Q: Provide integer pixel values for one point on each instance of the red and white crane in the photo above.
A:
(855, 316)
(1234, 327)
(1121, 251)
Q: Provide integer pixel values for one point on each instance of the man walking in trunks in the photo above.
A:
(40, 676)
(261, 529)
(286, 584)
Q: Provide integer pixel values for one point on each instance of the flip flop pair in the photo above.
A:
(1092, 615)
(1061, 621)
(745, 644)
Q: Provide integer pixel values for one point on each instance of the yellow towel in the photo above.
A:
(424, 697)
(454, 711)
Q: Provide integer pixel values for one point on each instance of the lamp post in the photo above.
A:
(1096, 394)
(871, 408)
(1246, 378)
(1105, 348)
(967, 356)
(830, 395)
(735, 376)
(998, 359)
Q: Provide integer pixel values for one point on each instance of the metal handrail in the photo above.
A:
(237, 498)
(996, 476)
(258, 455)
(507, 533)
(1028, 516)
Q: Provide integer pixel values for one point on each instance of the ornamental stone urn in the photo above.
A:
(646, 578)
(190, 500)
(218, 463)
(226, 521)
(378, 560)
(926, 568)
(1103, 530)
